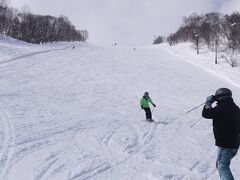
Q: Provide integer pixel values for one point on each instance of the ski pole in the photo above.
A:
(195, 122)
(153, 110)
(183, 114)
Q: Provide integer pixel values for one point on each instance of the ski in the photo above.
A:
(161, 122)
(157, 122)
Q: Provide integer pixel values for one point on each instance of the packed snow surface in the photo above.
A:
(73, 114)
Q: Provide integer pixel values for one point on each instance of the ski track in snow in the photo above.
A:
(127, 146)
(31, 54)
(6, 152)
(73, 114)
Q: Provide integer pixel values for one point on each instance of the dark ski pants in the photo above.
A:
(148, 113)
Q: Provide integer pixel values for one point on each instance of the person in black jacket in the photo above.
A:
(226, 129)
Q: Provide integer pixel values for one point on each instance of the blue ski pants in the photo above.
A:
(224, 158)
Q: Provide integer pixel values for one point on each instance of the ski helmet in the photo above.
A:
(223, 92)
(146, 94)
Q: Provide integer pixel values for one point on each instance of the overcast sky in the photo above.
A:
(127, 22)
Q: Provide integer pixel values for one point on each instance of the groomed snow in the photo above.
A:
(206, 60)
(73, 114)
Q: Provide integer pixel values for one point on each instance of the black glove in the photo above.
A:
(154, 105)
(210, 100)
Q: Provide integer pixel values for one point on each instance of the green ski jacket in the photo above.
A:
(145, 102)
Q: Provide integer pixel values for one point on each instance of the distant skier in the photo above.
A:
(226, 128)
(145, 106)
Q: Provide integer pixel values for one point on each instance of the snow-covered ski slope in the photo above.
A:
(74, 114)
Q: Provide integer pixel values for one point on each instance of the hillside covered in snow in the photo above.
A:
(70, 111)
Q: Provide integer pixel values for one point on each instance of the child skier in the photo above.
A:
(145, 106)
